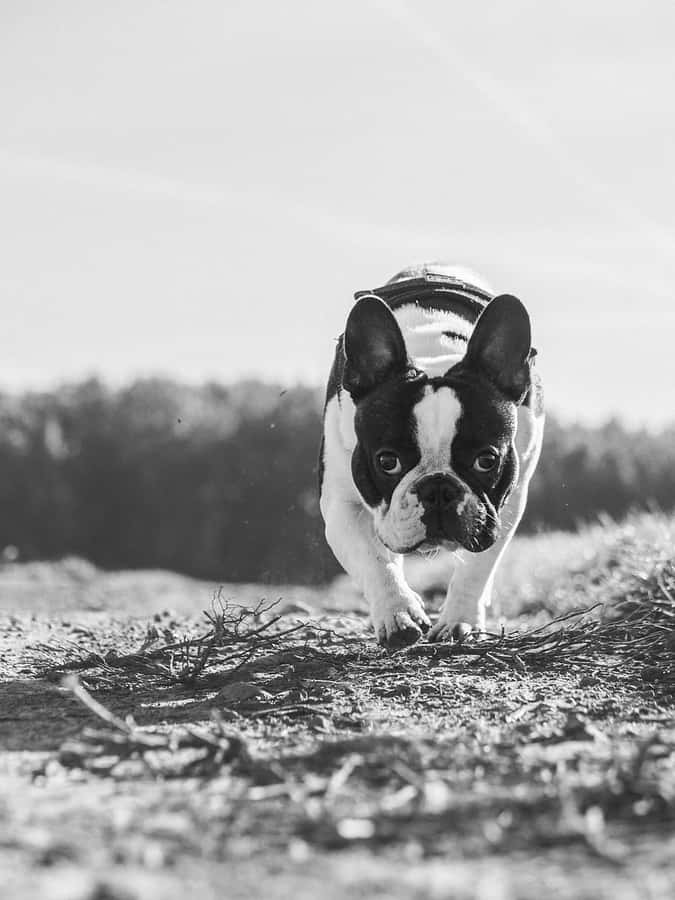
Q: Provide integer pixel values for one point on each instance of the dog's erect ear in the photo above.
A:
(500, 346)
(374, 346)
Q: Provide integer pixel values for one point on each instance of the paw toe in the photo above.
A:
(404, 637)
(442, 632)
(402, 633)
(439, 634)
(461, 632)
(423, 621)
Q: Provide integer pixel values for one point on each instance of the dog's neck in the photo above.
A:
(435, 339)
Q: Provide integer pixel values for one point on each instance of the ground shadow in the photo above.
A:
(38, 716)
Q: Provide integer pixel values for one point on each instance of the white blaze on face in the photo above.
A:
(436, 417)
(399, 524)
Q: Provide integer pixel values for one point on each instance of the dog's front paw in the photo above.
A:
(444, 632)
(401, 624)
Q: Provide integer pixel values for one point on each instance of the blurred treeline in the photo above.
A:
(220, 482)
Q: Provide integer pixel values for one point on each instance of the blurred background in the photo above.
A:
(190, 197)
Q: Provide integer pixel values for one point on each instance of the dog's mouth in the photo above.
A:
(428, 547)
(474, 529)
(433, 546)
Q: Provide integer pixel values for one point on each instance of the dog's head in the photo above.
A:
(435, 459)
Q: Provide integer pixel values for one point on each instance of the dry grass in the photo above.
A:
(628, 629)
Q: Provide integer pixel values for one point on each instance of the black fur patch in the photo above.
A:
(500, 347)
(384, 421)
(488, 419)
(374, 347)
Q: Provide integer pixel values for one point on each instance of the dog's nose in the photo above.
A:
(437, 492)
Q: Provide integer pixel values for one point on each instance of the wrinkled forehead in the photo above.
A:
(428, 417)
(462, 415)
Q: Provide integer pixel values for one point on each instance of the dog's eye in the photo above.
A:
(389, 462)
(486, 461)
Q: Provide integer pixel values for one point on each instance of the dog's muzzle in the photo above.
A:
(440, 496)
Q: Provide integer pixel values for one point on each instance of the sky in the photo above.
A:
(197, 190)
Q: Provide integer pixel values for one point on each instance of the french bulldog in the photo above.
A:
(433, 425)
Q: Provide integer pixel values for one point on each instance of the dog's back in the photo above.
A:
(436, 306)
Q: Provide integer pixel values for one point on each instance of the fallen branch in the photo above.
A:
(102, 750)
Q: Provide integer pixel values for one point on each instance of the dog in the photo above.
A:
(433, 425)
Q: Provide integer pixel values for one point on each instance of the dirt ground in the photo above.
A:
(271, 749)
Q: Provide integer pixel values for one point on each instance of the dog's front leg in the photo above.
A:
(470, 590)
(396, 611)
(469, 593)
